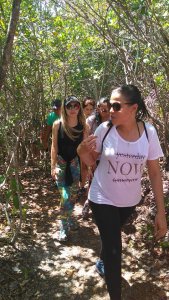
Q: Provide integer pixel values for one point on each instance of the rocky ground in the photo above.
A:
(39, 267)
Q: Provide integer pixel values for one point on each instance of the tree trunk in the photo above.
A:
(6, 57)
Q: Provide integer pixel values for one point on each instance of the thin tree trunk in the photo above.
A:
(7, 52)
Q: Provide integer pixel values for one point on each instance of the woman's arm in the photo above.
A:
(157, 187)
(86, 150)
(54, 148)
(83, 166)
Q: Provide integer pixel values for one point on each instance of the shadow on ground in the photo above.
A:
(38, 267)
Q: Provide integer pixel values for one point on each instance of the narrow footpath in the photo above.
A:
(39, 267)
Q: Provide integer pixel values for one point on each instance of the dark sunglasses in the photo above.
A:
(73, 106)
(118, 106)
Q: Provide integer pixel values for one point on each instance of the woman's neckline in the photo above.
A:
(73, 126)
(127, 141)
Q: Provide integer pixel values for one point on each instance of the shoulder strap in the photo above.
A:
(110, 126)
(145, 129)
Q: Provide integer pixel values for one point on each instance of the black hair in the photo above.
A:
(103, 100)
(90, 101)
(133, 95)
(97, 114)
(56, 102)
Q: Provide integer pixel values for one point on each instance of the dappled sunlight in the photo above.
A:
(66, 271)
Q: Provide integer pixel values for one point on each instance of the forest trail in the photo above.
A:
(42, 268)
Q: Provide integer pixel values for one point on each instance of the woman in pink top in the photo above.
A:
(129, 145)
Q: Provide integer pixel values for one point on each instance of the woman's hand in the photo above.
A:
(87, 150)
(160, 225)
(87, 145)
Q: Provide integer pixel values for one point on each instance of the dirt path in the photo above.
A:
(42, 268)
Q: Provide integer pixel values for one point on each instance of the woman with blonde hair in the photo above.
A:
(67, 134)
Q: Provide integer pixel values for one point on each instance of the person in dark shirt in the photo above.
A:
(67, 134)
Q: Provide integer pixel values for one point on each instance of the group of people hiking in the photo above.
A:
(108, 144)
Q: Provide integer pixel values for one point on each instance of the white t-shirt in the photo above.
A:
(117, 179)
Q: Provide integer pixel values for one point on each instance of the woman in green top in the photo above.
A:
(51, 118)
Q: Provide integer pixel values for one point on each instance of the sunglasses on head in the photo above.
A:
(73, 106)
(118, 106)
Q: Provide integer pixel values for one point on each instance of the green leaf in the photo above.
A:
(2, 24)
(16, 201)
(8, 194)
(2, 178)
(164, 244)
(13, 185)
(24, 211)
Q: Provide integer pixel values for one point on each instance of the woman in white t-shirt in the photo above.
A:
(129, 145)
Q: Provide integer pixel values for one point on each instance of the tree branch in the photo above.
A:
(7, 52)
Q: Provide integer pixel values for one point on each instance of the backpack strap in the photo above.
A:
(146, 132)
(110, 126)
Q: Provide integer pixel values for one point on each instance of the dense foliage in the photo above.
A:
(83, 47)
